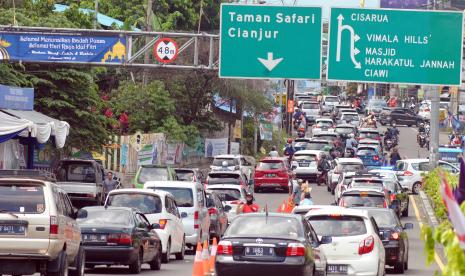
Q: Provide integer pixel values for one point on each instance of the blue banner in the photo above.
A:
(16, 98)
(62, 48)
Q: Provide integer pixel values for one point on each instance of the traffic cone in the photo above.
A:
(198, 263)
(213, 256)
(205, 257)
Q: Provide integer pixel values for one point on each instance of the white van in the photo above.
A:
(191, 201)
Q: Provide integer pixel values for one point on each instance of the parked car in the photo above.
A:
(218, 215)
(158, 207)
(356, 247)
(410, 172)
(191, 201)
(312, 111)
(271, 244)
(231, 196)
(82, 180)
(339, 166)
(323, 124)
(189, 174)
(233, 162)
(153, 173)
(119, 236)
(394, 237)
(272, 172)
(34, 214)
(400, 116)
(305, 164)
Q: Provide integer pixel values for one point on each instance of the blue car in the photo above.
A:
(370, 156)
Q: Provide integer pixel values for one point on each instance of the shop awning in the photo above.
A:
(35, 124)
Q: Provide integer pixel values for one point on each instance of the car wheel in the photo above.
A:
(393, 122)
(405, 212)
(155, 264)
(80, 263)
(180, 255)
(256, 190)
(416, 188)
(136, 266)
(166, 256)
(63, 268)
(399, 267)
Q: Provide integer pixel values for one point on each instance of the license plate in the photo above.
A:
(12, 229)
(340, 269)
(271, 175)
(304, 164)
(94, 238)
(259, 251)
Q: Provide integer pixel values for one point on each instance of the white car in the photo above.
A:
(356, 248)
(339, 166)
(233, 162)
(343, 182)
(230, 195)
(303, 210)
(350, 118)
(305, 164)
(160, 208)
(323, 124)
(409, 172)
(424, 112)
(328, 103)
(312, 111)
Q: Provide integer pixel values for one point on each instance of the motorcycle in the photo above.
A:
(422, 139)
(297, 123)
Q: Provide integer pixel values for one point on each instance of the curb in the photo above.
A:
(432, 220)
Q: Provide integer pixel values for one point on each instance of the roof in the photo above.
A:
(109, 208)
(31, 115)
(273, 159)
(326, 133)
(224, 186)
(228, 156)
(346, 125)
(270, 214)
(364, 189)
(349, 160)
(338, 210)
(181, 184)
(225, 172)
(324, 120)
(139, 191)
(320, 141)
(303, 152)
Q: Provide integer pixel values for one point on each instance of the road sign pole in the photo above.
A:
(434, 128)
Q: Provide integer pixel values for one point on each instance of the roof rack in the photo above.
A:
(34, 174)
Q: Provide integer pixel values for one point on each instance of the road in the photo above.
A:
(417, 266)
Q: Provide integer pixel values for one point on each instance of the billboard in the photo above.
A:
(16, 98)
(62, 48)
(404, 4)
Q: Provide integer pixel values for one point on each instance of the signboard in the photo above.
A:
(16, 98)
(166, 50)
(290, 106)
(367, 45)
(62, 48)
(235, 148)
(237, 133)
(265, 42)
(266, 131)
(214, 147)
(404, 4)
(147, 155)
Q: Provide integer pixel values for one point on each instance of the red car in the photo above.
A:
(272, 172)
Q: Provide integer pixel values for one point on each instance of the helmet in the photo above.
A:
(301, 128)
(273, 148)
(351, 135)
(421, 124)
(247, 194)
(289, 140)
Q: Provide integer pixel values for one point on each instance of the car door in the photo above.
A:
(71, 229)
(177, 227)
(146, 239)
(449, 168)
(203, 213)
(222, 217)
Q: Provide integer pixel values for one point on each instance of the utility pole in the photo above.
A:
(96, 14)
(148, 27)
(434, 124)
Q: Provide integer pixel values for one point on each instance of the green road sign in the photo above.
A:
(395, 46)
(261, 41)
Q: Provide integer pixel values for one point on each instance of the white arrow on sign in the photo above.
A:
(270, 63)
(353, 38)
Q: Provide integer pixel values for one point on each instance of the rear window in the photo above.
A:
(17, 198)
(223, 178)
(383, 218)
(338, 226)
(317, 145)
(350, 117)
(344, 130)
(366, 151)
(310, 106)
(324, 124)
(76, 172)
(367, 183)
(182, 196)
(185, 175)
(265, 226)
(305, 157)
(363, 201)
(350, 167)
(227, 194)
(231, 162)
(146, 204)
(369, 135)
(104, 217)
(331, 99)
(300, 145)
(269, 165)
(152, 174)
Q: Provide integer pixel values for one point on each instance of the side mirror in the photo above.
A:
(81, 214)
(227, 208)
(155, 226)
(408, 225)
(326, 240)
(183, 215)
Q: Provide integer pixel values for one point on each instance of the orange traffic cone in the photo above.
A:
(198, 263)
(205, 257)
(213, 256)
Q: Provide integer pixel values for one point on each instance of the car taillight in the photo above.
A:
(376, 158)
(121, 239)
(395, 236)
(53, 225)
(162, 223)
(224, 248)
(295, 250)
(196, 220)
(366, 246)
(408, 173)
(212, 211)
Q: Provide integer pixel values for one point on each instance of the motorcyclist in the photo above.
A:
(421, 128)
(351, 143)
(323, 167)
(289, 149)
(301, 132)
(394, 157)
(297, 116)
(274, 152)
(249, 206)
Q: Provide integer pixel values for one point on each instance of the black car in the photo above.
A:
(399, 116)
(119, 236)
(394, 238)
(399, 197)
(218, 216)
(270, 244)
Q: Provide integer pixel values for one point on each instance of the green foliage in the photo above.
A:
(444, 233)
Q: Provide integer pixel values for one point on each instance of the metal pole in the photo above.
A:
(96, 14)
(434, 126)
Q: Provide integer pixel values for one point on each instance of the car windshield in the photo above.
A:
(327, 137)
(182, 196)
(363, 201)
(185, 175)
(383, 218)
(351, 117)
(152, 174)
(350, 167)
(252, 226)
(369, 135)
(146, 204)
(305, 157)
(317, 145)
(227, 194)
(104, 217)
(270, 165)
(338, 226)
(76, 172)
(300, 145)
(310, 106)
(366, 151)
(378, 104)
(231, 162)
(344, 130)
(17, 198)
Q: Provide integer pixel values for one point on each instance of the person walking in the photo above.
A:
(109, 184)
(249, 206)
(296, 191)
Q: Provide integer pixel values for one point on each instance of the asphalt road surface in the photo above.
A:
(417, 265)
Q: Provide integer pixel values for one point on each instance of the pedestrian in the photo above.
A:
(296, 191)
(395, 156)
(109, 184)
(307, 199)
(249, 206)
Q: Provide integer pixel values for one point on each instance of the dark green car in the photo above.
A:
(153, 173)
